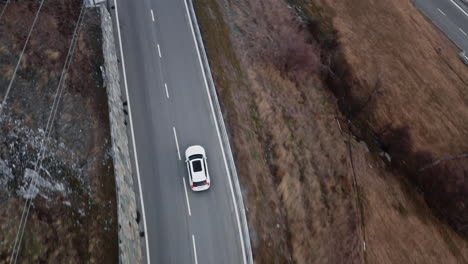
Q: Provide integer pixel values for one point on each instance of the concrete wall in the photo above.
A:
(129, 240)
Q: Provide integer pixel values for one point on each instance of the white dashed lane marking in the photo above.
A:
(441, 12)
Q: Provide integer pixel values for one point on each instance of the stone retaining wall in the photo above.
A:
(129, 240)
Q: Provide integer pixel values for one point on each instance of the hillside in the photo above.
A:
(73, 213)
(319, 188)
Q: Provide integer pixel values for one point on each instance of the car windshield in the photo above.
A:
(197, 166)
(196, 156)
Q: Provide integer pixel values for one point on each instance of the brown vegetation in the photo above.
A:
(313, 193)
(415, 92)
(76, 223)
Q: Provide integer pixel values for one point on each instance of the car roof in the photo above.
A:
(199, 175)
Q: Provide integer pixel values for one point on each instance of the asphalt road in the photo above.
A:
(182, 226)
(451, 16)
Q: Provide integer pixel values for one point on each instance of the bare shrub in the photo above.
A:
(444, 185)
(282, 39)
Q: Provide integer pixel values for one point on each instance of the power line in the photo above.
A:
(4, 8)
(52, 115)
(20, 58)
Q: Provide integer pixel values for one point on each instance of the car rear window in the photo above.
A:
(197, 184)
(197, 166)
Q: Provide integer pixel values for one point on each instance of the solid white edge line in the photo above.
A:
(219, 135)
(438, 9)
(459, 7)
(152, 14)
(176, 142)
(132, 133)
(194, 249)
(464, 33)
(167, 92)
(159, 51)
(186, 196)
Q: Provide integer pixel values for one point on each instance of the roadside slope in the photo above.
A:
(73, 218)
(406, 92)
(308, 184)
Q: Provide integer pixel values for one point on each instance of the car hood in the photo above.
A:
(194, 150)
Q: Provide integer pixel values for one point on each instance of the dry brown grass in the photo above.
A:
(399, 226)
(420, 110)
(297, 200)
(292, 159)
(431, 96)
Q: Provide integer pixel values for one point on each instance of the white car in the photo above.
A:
(199, 178)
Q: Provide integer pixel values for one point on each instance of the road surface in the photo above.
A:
(171, 110)
(451, 16)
